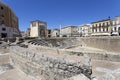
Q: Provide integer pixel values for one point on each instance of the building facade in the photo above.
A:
(28, 32)
(102, 28)
(69, 31)
(38, 29)
(23, 35)
(116, 26)
(9, 26)
(55, 33)
(84, 30)
(49, 33)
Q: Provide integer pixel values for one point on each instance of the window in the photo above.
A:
(3, 29)
(99, 29)
(115, 29)
(103, 29)
(96, 25)
(3, 35)
(49, 35)
(103, 24)
(2, 8)
(106, 29)
(107, 23)
(56, 34)
(96, 29)
(100, 24)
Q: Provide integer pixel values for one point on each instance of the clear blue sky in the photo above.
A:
(67, 12)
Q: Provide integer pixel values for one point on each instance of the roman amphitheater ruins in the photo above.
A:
(91, 58)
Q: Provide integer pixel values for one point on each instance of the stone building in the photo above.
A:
(49, 33)
(102, 28)
(28, 32)
(9, 27)
(38, 29)
(23, 34)
(84, 30)
(55, 33)
(116, 26)
(69, 31)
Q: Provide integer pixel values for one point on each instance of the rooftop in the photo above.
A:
(69, 26)
(101, 20)
(38, 21)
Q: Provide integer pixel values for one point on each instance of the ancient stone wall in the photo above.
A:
(99, 55)
(39, 64)
(111, 44)
(60, 43)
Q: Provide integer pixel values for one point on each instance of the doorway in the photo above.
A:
(3, 35)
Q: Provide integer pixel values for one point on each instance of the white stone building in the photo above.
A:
(38, 29)
(23, 34)
(69, 31)
(102, 28)
(84, 30)
(28, 32)
(49, 33)
(116, 26)
(55, 33)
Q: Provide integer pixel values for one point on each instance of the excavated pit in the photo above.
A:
(39, 59)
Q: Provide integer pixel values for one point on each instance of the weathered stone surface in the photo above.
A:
(16, 74)
(59, 59)
(78, 77)
(111, 75)
(5, 67)
(109, 43)
(50, 67)
(57, 43)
